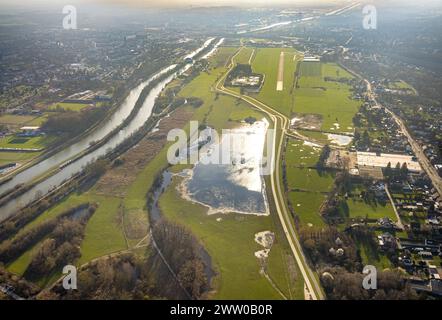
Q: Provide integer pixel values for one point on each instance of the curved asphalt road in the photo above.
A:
(281, 124)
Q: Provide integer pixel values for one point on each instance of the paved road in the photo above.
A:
(417, 149)
(281, 126)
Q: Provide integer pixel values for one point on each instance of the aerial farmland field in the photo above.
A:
(330, 99)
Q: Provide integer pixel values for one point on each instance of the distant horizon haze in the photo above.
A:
(204, 3)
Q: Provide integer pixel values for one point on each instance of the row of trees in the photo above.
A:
(339, 284)
(143, 276)
(325, 153)
(399, 172)
(62, 247)
(121, 277)
(12, 248)
(73, 123)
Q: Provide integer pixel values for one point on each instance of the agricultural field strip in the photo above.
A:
(278, 195)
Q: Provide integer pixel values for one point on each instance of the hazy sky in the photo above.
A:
(161, 3)
(169, 3)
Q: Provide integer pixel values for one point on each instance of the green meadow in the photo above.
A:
(308, 179)
(20, 157)
(18, 142)
(222, 56)
(356, 207)
(308, 187)
(306, 206)
(299, 154)
(244, 55)
(229, 240)
(329, 99)
(266, 62)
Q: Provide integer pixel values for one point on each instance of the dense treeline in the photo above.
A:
(325, 153)
(339, 284)
(13, 248)
(327, 246)
(184, 254)
(25, 215)
(143, 276)
(121, 277)
(62, 247)
(21, 287)
(73, 123)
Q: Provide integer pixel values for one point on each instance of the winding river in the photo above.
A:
(101, 132)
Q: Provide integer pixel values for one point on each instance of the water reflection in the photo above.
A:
(235, 185)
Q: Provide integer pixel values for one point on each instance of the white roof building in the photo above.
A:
(371, 159)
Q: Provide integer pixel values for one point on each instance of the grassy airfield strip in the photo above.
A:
(280, 81)
(267, 62)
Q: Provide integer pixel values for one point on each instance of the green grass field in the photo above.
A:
(359, 208)
(217, 109)
(266, 62)
(222, 56)
(36, 144)
(309, 186)
(230, 243)
(329, 99)
(400, 85)
(20, 265)
(315, 135)
(310, 69)
(17, 157)
(244, 55)
(300, 155)
(238, 269)
(371, 255)
(306, 206)
(302, 174)
(17, 142)
(103, 234)
(310, 179)
(19, 120)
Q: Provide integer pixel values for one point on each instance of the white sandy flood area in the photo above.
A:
(311, 144)
(264, 239)
(339, 139)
